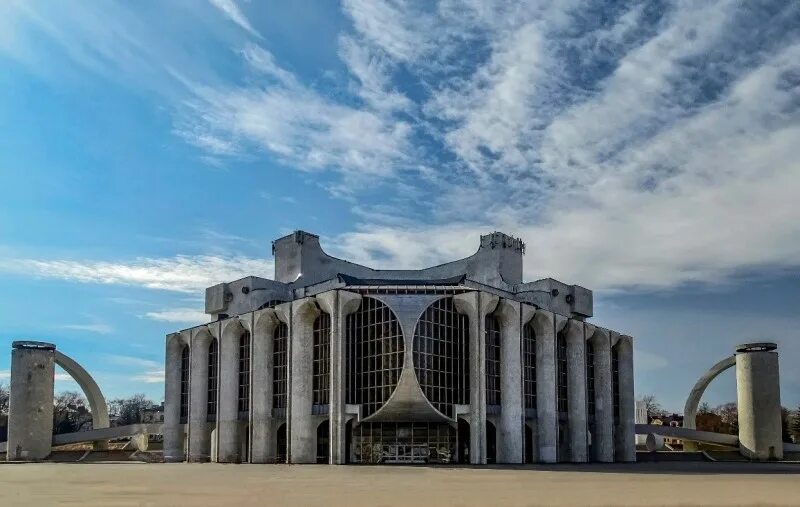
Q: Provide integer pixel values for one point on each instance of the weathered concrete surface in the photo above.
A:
(228, 438)
(510, 430)
(546, 409)
(30, 415)
(693, 401)
(603, 438)
(759, 403)
(576, 390)
(661, 484)
(97, 402)
(303, 431)
(263, 424)
(625, 431)
(199, 432)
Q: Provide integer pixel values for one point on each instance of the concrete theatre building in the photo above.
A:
(334, 362)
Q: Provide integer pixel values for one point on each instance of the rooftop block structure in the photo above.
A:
(335, 362)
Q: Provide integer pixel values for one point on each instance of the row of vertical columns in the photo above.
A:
(338, 304)
(173, 429)
(477, 305)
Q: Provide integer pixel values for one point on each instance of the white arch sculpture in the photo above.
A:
(97, 403)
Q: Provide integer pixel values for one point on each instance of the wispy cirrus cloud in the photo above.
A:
(178, 315)
(232, 11)
(96, 327)
(181, 273)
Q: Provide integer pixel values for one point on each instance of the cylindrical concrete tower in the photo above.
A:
(30, 411)
(759, 399)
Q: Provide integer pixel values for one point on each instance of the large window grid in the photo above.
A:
(374, 352)
(213, 361)
(280, 370)
(403, 443)
(492, 361)
(615, 381)
(561, 373)
(441, 356)
(590, 390)
(244, 372)
(184, 384)
(321, 367)
(529, 366)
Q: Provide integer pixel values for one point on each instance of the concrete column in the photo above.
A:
(603, 437)
(576, 387)
(30, 414)
(262, 422)
(228, 438)
(199, 433)
(546, 410)
(511, 424)
(759, 401)
(303, 432)
(527, 312)
(338, 304)
(626, 429)
(476, 305)
(173, 429)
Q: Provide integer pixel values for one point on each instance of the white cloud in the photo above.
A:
(5, 374)
(181, 273)
(150, 377)
(97, 327)
(232, 11)
(179, 315)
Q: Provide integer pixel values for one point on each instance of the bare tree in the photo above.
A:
(796, 426)
(70, 413)
(4, 395)
(729, 414)
(652, 405)
(704, 408)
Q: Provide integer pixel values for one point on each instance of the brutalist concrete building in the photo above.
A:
(334, 362)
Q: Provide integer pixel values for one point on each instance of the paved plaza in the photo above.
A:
(137, 484)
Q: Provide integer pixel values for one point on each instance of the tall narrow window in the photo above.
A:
(244, 371)
(492, 360)
(615, 381)
(529, 366)
(590, 378)
(185, 384)
(321, 378)
(561, 372)
(213, 357)
(280, 340)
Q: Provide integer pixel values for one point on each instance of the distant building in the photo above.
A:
(153, 414)
(675, 420)
(334, 362)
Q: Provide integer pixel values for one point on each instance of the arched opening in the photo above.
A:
(441, 356)
(463, 441)
(281, 444)
(213, 362)
(528, 444)
(321, 364)
(374, 355)
(529, 366)
(491, 443)
(184, 384)
(492, 325)
(323, 442)
(244, 375)
(280, 340)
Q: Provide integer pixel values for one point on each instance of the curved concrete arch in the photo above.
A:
(690, 409)
(97, 403)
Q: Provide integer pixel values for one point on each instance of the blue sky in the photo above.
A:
(647, 150)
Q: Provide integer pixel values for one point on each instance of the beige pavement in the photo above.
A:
(136, 484)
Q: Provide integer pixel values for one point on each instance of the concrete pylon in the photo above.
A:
(759, 401)
(30, 414)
